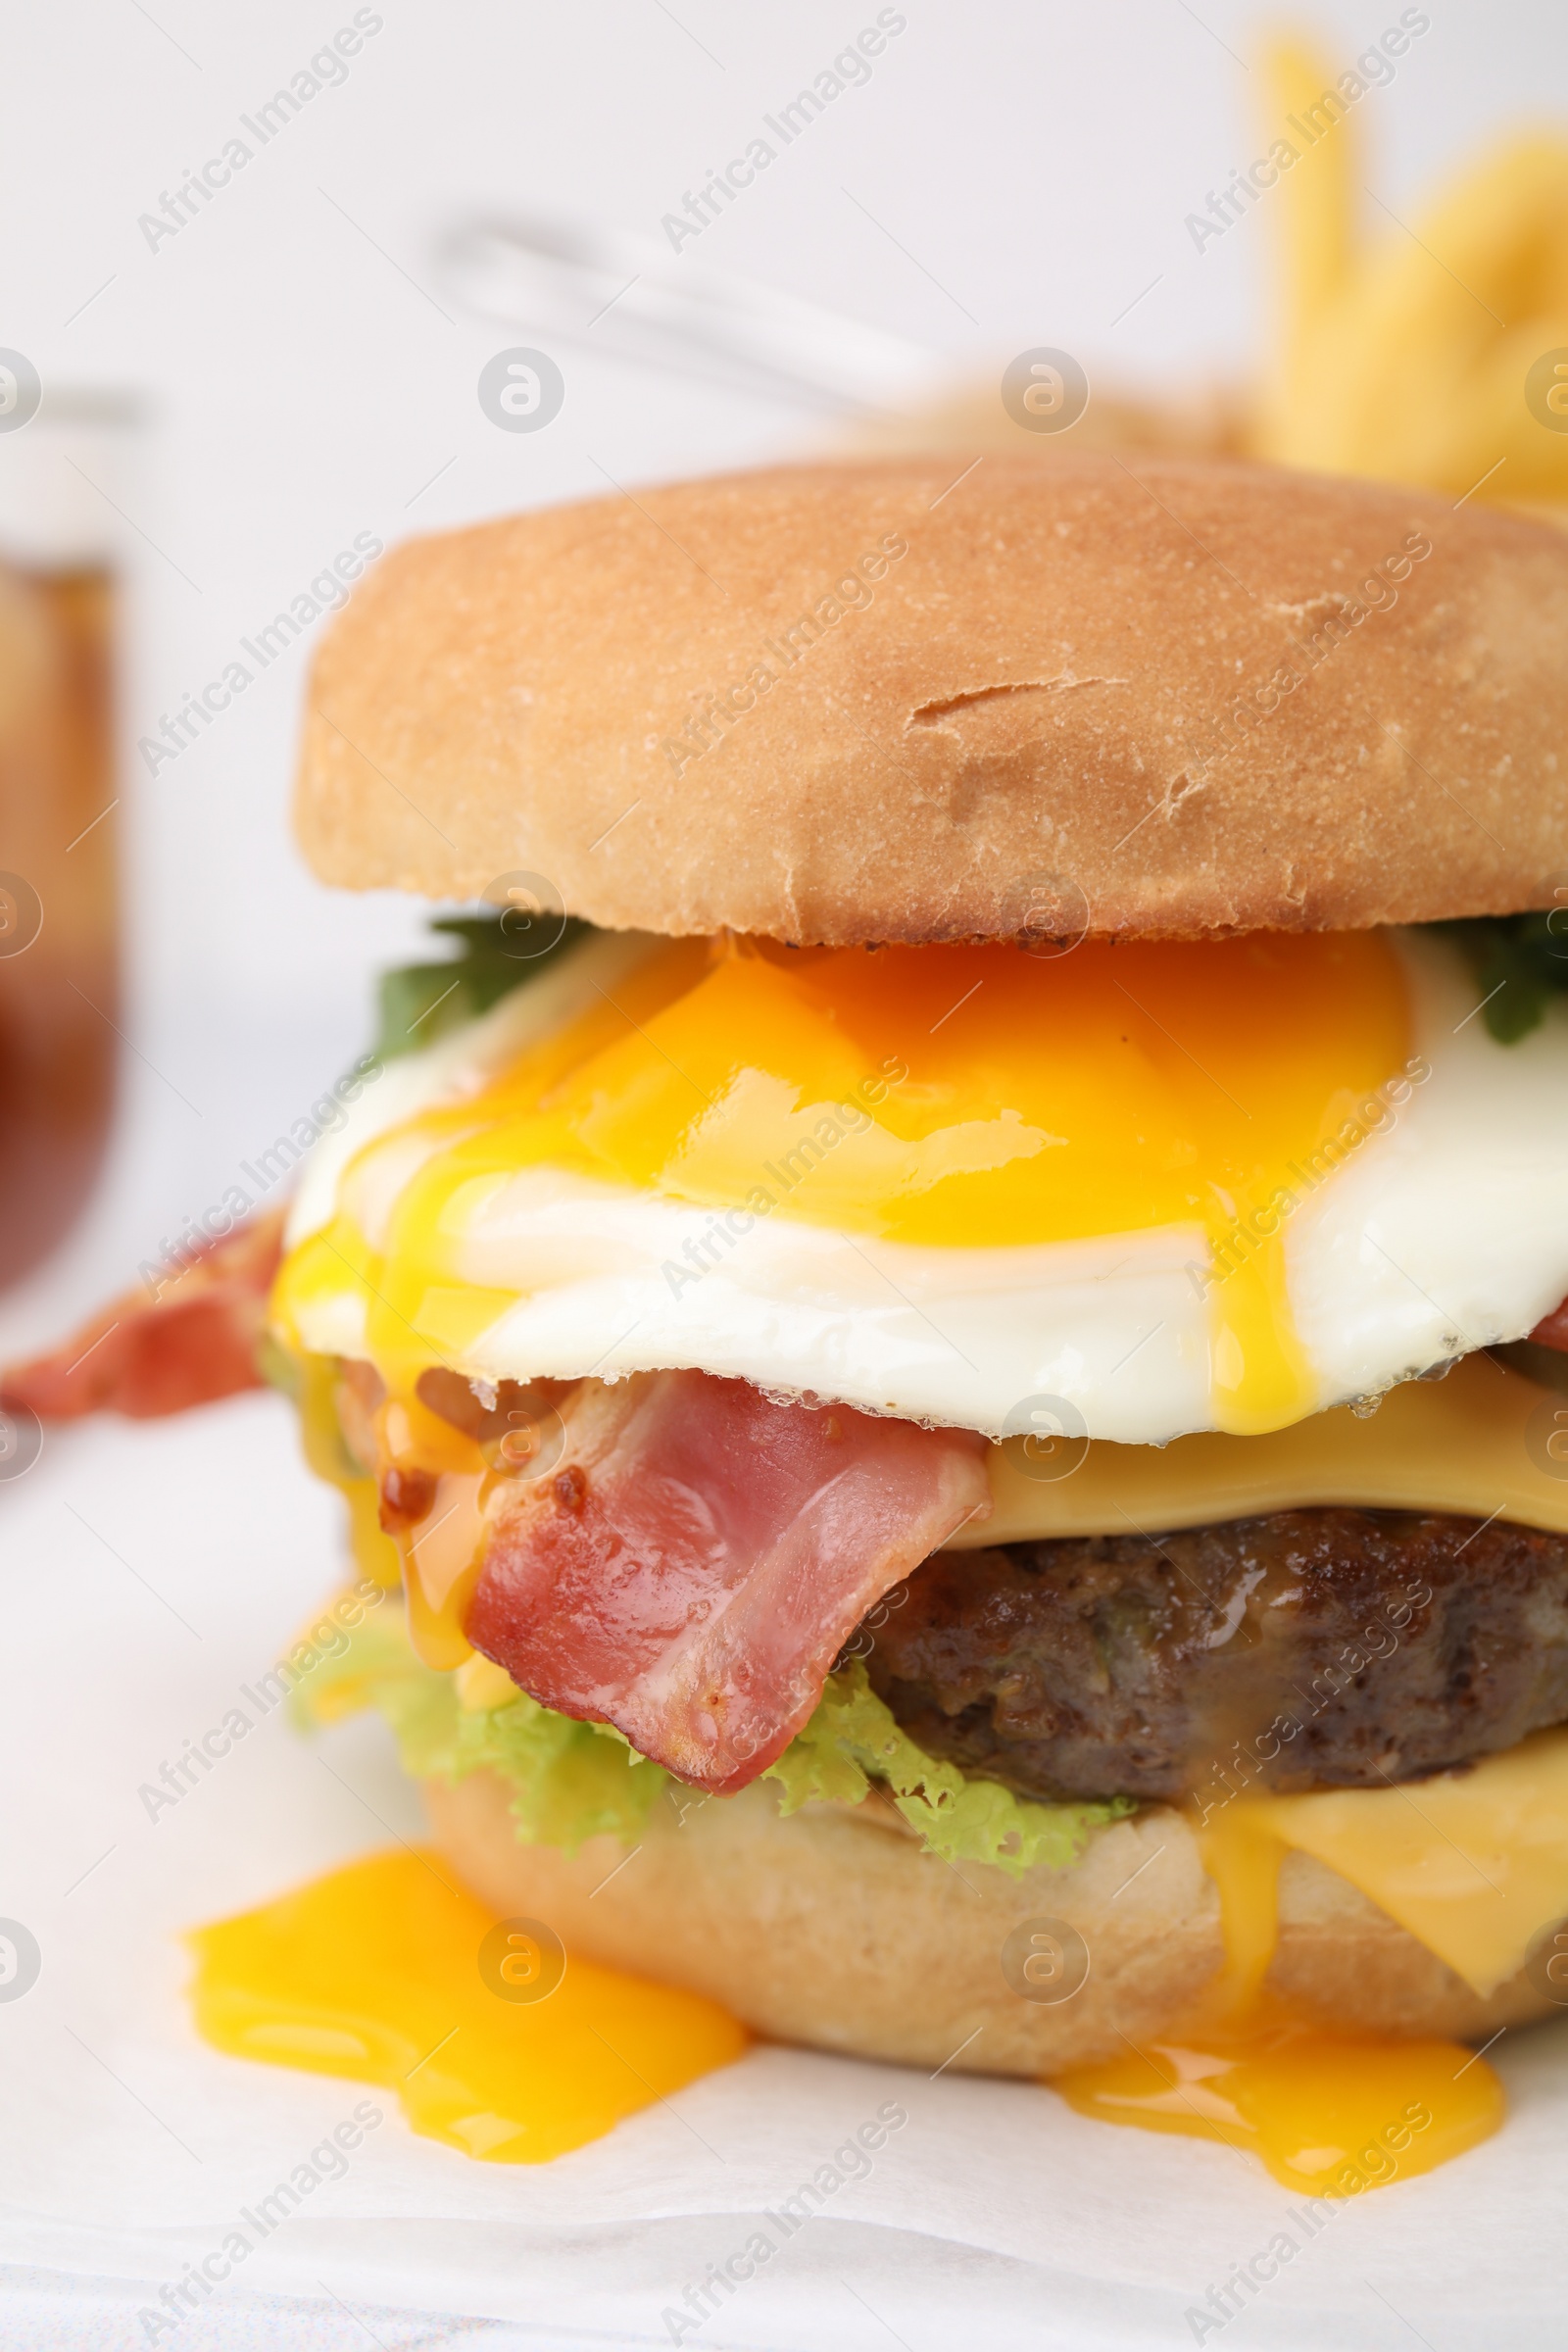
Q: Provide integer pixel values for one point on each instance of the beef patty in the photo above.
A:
(1305, 1648)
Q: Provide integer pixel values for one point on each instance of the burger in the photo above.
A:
(946, 1310)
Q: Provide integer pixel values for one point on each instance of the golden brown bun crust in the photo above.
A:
(832, 1928)
(1067, 696)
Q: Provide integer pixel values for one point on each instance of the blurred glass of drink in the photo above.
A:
(59, 918)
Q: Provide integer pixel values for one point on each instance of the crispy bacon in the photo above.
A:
(1553, 1329)
(144, 1356)
(690, 1563)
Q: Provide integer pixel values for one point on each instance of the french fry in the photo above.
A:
(1404, 354)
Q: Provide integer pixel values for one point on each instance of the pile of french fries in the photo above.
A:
(1402, 345)
(1404, 352)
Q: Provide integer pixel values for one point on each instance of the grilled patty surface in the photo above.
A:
(1302, 1649)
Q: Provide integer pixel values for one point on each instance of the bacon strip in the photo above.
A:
(144, 1357)
(693, 1561)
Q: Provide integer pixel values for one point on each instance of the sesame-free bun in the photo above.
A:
(833, 1928)
(1150, 695)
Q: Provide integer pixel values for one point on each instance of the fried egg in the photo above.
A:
(1168, 1186)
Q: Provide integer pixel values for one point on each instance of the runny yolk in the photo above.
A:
(386, 1972)
(1329, 2114)
(951, 1095)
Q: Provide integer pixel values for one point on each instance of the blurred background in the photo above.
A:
(222, 373)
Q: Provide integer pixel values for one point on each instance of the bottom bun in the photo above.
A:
(834, 1928)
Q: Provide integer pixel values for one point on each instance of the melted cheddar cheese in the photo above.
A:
(1481, 1443)
(1474, 1863)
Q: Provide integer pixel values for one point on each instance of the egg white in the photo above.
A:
(1446, 1231)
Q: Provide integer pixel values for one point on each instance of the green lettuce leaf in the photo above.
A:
(1520, 963)
(573, 1781)
(422, 1002)
(570, 1781)
(853, 1739)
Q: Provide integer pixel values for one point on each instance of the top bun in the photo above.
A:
(1159, 697)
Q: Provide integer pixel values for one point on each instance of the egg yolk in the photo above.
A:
(960, 1096)
(491, 2036)
(516, 2052)
(1328, 2114)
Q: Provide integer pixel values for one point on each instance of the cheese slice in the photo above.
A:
(1484, 1442)
(1474, 1864)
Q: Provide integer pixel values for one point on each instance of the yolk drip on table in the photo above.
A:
(1328, 2113)
(490, 2036)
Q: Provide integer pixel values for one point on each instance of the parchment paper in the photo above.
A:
(145, 1574)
